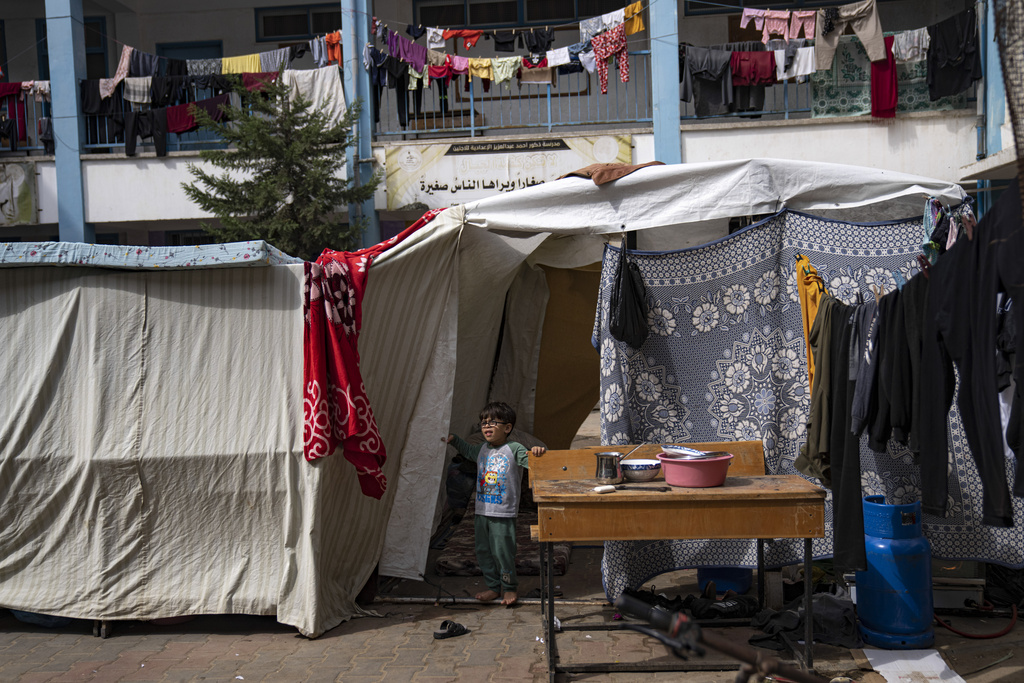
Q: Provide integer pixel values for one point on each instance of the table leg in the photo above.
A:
(548, 587)
(808, 609)
(760, 574)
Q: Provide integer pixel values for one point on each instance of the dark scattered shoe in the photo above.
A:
(450, 629)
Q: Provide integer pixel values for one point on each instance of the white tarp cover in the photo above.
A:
(150, 448)
(151, 451)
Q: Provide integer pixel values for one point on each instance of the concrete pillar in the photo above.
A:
(664, 32)
(355, 33)
(66, 47)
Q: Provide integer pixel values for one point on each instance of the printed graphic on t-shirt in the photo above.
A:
(491, 487)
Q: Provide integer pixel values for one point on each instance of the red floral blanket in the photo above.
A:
(336, 411)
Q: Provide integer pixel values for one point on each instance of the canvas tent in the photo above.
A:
(151, 458)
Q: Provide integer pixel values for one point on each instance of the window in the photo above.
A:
(495, 13)
(3, 51)
(297, 23)
(95, 48)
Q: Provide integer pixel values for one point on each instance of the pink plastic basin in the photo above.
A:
(695, 474)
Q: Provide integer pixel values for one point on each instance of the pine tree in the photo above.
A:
(279, 179)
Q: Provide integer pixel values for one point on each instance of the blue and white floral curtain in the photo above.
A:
(726, 361)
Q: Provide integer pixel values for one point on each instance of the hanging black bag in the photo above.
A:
(628, 316)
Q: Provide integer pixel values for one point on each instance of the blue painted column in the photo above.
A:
(664, 32)
(995, 91)
(355, 33)
(65, 33)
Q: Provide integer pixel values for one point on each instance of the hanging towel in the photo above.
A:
(322, 87)
(136, 89)
(245, 64)
(275, 60)
(203, 67)
(911, 46)
(883, 84)
(258, 81)
(107, 85)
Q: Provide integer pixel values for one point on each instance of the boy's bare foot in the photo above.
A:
(509, 598)
(488, 595)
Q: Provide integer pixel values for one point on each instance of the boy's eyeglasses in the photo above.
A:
(492, 423)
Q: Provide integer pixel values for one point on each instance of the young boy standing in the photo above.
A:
(499, 475)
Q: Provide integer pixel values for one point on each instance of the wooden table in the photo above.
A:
(761, 507)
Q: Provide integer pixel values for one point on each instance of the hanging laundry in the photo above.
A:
(863, 18)
(606, 45)
(137, 89)
(443, 72)
(107, 85)
(256, 82)
(590, 28)
(883, 84)
(538, 41)
(589, 60)
(167, 90)
(460, 65)
(435, 38)
(435, 58)
(151, 123)
(175, 67)
(109, 121)
(240, 65)
(275, 60)
(752, 68)
(776, 22)
(415, 31)
(481, 68)
(408, 51)
(180, 118)
(558, 57)
(503, 69)
(954, 58)
(142, 63)
(333, 41)
(40, 90)
(911, 46)
(46, 135)
(710, 71)
(633, 19)
(505, 41)
(752, 15)
(801, 64)
(203, 67)
(318, 46)
(419, 79)
(801, 20)
(469, 37)
(321, 87)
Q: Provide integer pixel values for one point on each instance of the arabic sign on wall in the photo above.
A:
(17, 194)
(445, 175)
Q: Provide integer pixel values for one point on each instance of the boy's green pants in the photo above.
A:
(495, 542)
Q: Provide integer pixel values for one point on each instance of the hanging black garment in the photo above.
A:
(954, 57)
(167, 90)
(627, 319)
(505, 41)
(104, 123)
(144, 124)
(538, 40)
(960, 329)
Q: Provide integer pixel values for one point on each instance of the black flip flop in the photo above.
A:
(450, 629)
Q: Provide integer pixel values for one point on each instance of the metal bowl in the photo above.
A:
(640, 469)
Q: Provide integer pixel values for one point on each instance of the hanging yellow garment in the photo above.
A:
(811, 289)
(246, 64)
(634, 22)
(481, 68)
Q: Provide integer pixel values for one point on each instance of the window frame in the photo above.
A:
(520, 21)
(260, 12)
(43, 51)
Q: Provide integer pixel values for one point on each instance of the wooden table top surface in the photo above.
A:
(771, 487)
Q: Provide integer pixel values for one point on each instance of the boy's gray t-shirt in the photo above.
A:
(499, 476)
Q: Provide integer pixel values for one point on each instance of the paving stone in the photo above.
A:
(38, 677)
(365, 666)
(482, 657)
(182, 675)
(408, 656)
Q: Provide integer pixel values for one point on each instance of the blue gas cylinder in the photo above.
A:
(894, 595)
